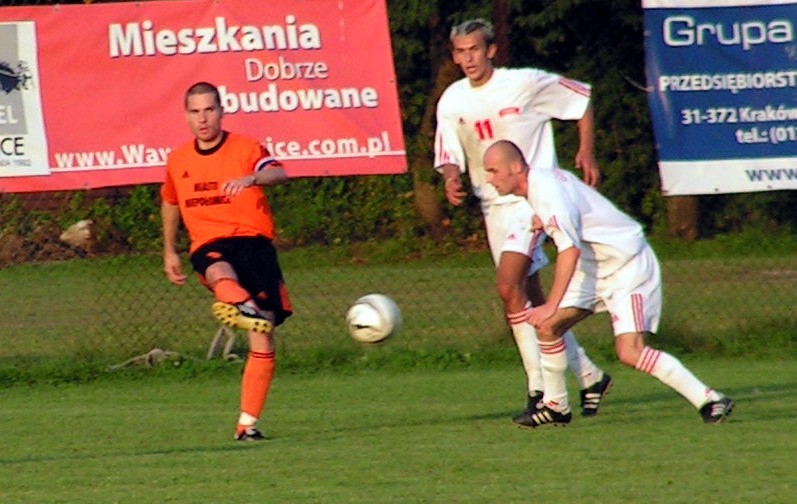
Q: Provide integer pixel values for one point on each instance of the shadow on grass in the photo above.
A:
(647, 405)
(233, 447)
(642, 408)
(618, 410)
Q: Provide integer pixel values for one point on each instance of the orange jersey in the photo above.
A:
(194, 180)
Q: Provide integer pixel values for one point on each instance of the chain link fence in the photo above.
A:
(62, 295)
(74, 284)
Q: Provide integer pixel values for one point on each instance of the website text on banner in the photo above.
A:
(92, 93)
(722, 79)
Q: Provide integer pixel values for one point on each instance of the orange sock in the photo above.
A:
(256, 381)
(230, 291)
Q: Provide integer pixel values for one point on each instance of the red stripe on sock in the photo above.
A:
(519, 317)
(647, 360)
(552, 347)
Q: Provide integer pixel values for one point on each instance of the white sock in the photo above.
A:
(553, 359)
(246, 419)
(526, 341)
(673, 373)
(585, 371)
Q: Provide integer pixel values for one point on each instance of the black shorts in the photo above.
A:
(254, 260)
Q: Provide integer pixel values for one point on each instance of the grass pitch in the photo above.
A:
(414, 436)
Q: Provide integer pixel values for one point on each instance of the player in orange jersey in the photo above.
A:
(214, 184)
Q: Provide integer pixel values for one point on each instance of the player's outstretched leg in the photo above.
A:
(713, 406)
(241, 316)
(233, 306)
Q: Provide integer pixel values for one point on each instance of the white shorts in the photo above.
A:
(631, 295)
(509, 230)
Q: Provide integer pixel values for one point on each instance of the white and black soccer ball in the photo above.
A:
(373, 318)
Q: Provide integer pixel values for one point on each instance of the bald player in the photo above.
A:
(603, 263)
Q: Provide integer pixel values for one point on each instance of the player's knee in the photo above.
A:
(504, 291)
(626, 359)
(627, 352)
(509, 293)
(546, 333)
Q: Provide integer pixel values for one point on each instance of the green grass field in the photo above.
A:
(416, 436)
(424, 418)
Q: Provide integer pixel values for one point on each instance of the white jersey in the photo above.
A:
(516, 105)
(576, 215)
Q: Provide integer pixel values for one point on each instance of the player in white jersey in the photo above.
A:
(514, 104)
(603, 263)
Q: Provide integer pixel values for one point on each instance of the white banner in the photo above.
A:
(23, 146)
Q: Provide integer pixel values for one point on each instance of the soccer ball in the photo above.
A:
(373, 318)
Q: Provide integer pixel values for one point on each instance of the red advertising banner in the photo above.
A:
(92, 95)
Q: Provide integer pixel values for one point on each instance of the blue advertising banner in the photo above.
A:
(722, 88)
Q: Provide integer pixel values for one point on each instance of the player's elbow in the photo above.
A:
(277, 176)
(571, 252)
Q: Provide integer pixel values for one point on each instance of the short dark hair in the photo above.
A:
(472, 25)
(203, 88)
(510, 150)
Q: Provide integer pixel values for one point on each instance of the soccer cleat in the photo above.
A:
(592, 396)
(534, 403)
(714, 412)
(249, 434)
(241, 316)
(544, 416)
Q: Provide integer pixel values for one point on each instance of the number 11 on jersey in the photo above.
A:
(484, 130)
